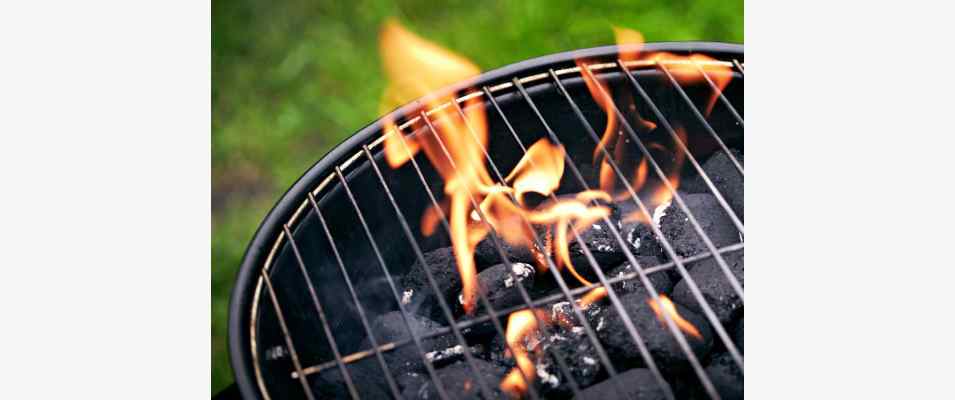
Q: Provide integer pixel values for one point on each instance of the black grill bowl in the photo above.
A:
(255, 332)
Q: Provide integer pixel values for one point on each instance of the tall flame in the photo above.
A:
(670, 309)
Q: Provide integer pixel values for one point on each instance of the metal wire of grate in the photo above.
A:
(517, 87)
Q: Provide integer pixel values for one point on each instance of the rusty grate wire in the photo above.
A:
(517, 86)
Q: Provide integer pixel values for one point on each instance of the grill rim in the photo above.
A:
(245, 293)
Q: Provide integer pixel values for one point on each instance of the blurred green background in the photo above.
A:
(290, 79)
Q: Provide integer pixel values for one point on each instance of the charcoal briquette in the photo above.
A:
(391, 328)
(725, 177)
(366, 375)
(726, 377)
(663, 347)
(417, 293)
(714, 286)
(678, 230)
(486, 254)
(603, 246)
(499, 284)
(738, 335)
(458, 380)
(639, 236)
(637, 383)
(660, 280)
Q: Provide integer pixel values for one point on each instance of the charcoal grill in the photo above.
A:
(325, 260)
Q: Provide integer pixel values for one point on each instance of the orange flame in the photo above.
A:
(522, 333)
(670, 309)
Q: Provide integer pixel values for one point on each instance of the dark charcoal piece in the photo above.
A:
(639, 236)
(366, 375)
(716, 289)
(660, 280)
(725, 177)
(726, 377)
(637, 383)
(499, 284)
(738, 335)
(602, 245)
(486, 254)
(390, 328)
(458, 380)
(664, 349)
(708, 212)
(418, 295)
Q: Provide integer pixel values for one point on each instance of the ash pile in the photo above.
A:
(596, 357)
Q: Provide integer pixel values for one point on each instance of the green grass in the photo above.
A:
(292, 79)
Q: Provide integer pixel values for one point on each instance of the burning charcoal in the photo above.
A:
(602, 245)
(663, 347)
(714, 285)
(660, 280)
(498, 283)
(639, 236)
(726, 377)
(716, 224)
(637, 383)
(568, 342)
(486, 254)
(390, 328)
(458, 380)
(725, 177)
(366, 375)
(418, 295)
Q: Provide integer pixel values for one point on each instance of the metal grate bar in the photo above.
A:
(392, 386)
(390, 346)
(468, 357)
(442, 393)
(671, 325)
(686, 150)
(631, 329)
(321, 315)
(288, 337)
(719, 93)
(738, 66)
(645, 281)
(701, 118)
(444, 222)
(676, 195)
(551, 267)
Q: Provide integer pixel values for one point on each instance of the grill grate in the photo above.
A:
(677, 263)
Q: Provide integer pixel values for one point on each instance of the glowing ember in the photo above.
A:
(670, 309)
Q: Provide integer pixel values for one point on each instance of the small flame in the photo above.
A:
(522, 333)
(670, 309)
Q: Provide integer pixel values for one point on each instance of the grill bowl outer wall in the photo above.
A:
(260, 247)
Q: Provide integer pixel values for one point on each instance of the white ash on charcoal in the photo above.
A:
(499, 284)
(439, 350)
(641, 240)
(486, 254)
(714, 286)
(366, 375)
(458, 380)
(417, 293)
(603, 247)
(663, 347)
(678, 230)
(725, 177)
(637, 383)
(660, 280)
(726, 377)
